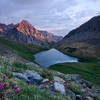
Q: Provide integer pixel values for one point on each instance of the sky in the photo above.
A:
(56, 16)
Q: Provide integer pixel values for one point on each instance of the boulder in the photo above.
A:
(29, 76)
(42, 86)
(45, 80)
(78, 97)
(71, 94)
(20, 76)
(89, 98)
(88, 84)
(59, 87)
(33, 77)
(58, 79)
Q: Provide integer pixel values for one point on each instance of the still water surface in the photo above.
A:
(51, 57)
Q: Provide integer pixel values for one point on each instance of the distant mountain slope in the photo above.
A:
(2, 27)
(24, 32)
(88, 32)
(50, 37)
(84, 40)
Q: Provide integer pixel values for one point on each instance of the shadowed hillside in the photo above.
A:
(84, 40)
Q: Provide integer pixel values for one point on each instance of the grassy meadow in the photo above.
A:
(88, 70)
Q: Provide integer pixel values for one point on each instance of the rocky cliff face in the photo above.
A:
(24, 32)
(50, 37)
(28, 29)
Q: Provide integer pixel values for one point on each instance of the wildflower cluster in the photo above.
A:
(6, 89)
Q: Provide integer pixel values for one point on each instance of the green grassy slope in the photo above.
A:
(82, 50)
(24, 50)
(29, 91)
(89, 71)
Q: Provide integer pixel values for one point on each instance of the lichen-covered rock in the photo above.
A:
(78, 97)
(29, 76)
(45, 80)
(33, 77)
(59, 87)
(58, 79)
(87, 83)
(20, 76)
(71, 94)
(89, 98)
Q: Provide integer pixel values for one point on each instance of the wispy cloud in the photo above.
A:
(58, 16)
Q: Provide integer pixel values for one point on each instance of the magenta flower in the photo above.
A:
(9, 91)
(2, 85)
(4, 76)
(18, 90)
(16, 86)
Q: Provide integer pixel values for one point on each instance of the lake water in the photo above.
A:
(51, 57)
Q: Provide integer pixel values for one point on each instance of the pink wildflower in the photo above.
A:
(9, 91)
(2, 85)
(18, 90)
(4, 76)
(16, 86)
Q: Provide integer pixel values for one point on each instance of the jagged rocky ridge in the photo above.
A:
(24, 32)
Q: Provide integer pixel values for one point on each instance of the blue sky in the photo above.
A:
(57, 16)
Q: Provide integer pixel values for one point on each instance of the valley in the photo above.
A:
(47, 67)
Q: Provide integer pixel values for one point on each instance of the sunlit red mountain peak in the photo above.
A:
(27, 32)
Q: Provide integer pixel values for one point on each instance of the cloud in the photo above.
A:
(58, 16)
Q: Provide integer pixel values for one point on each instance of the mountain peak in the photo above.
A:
(24, 22)
(25, 27)
(26, 32)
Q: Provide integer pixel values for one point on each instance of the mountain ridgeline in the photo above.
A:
(88, 33)
(24, 32)
(84, 40)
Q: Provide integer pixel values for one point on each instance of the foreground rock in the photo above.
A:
(58, 79)
(33, 77)
(87, 83)
(70, 84)
(20, 76)
(89, 98)
(29, 76)
(59, 87)
(78, 97)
